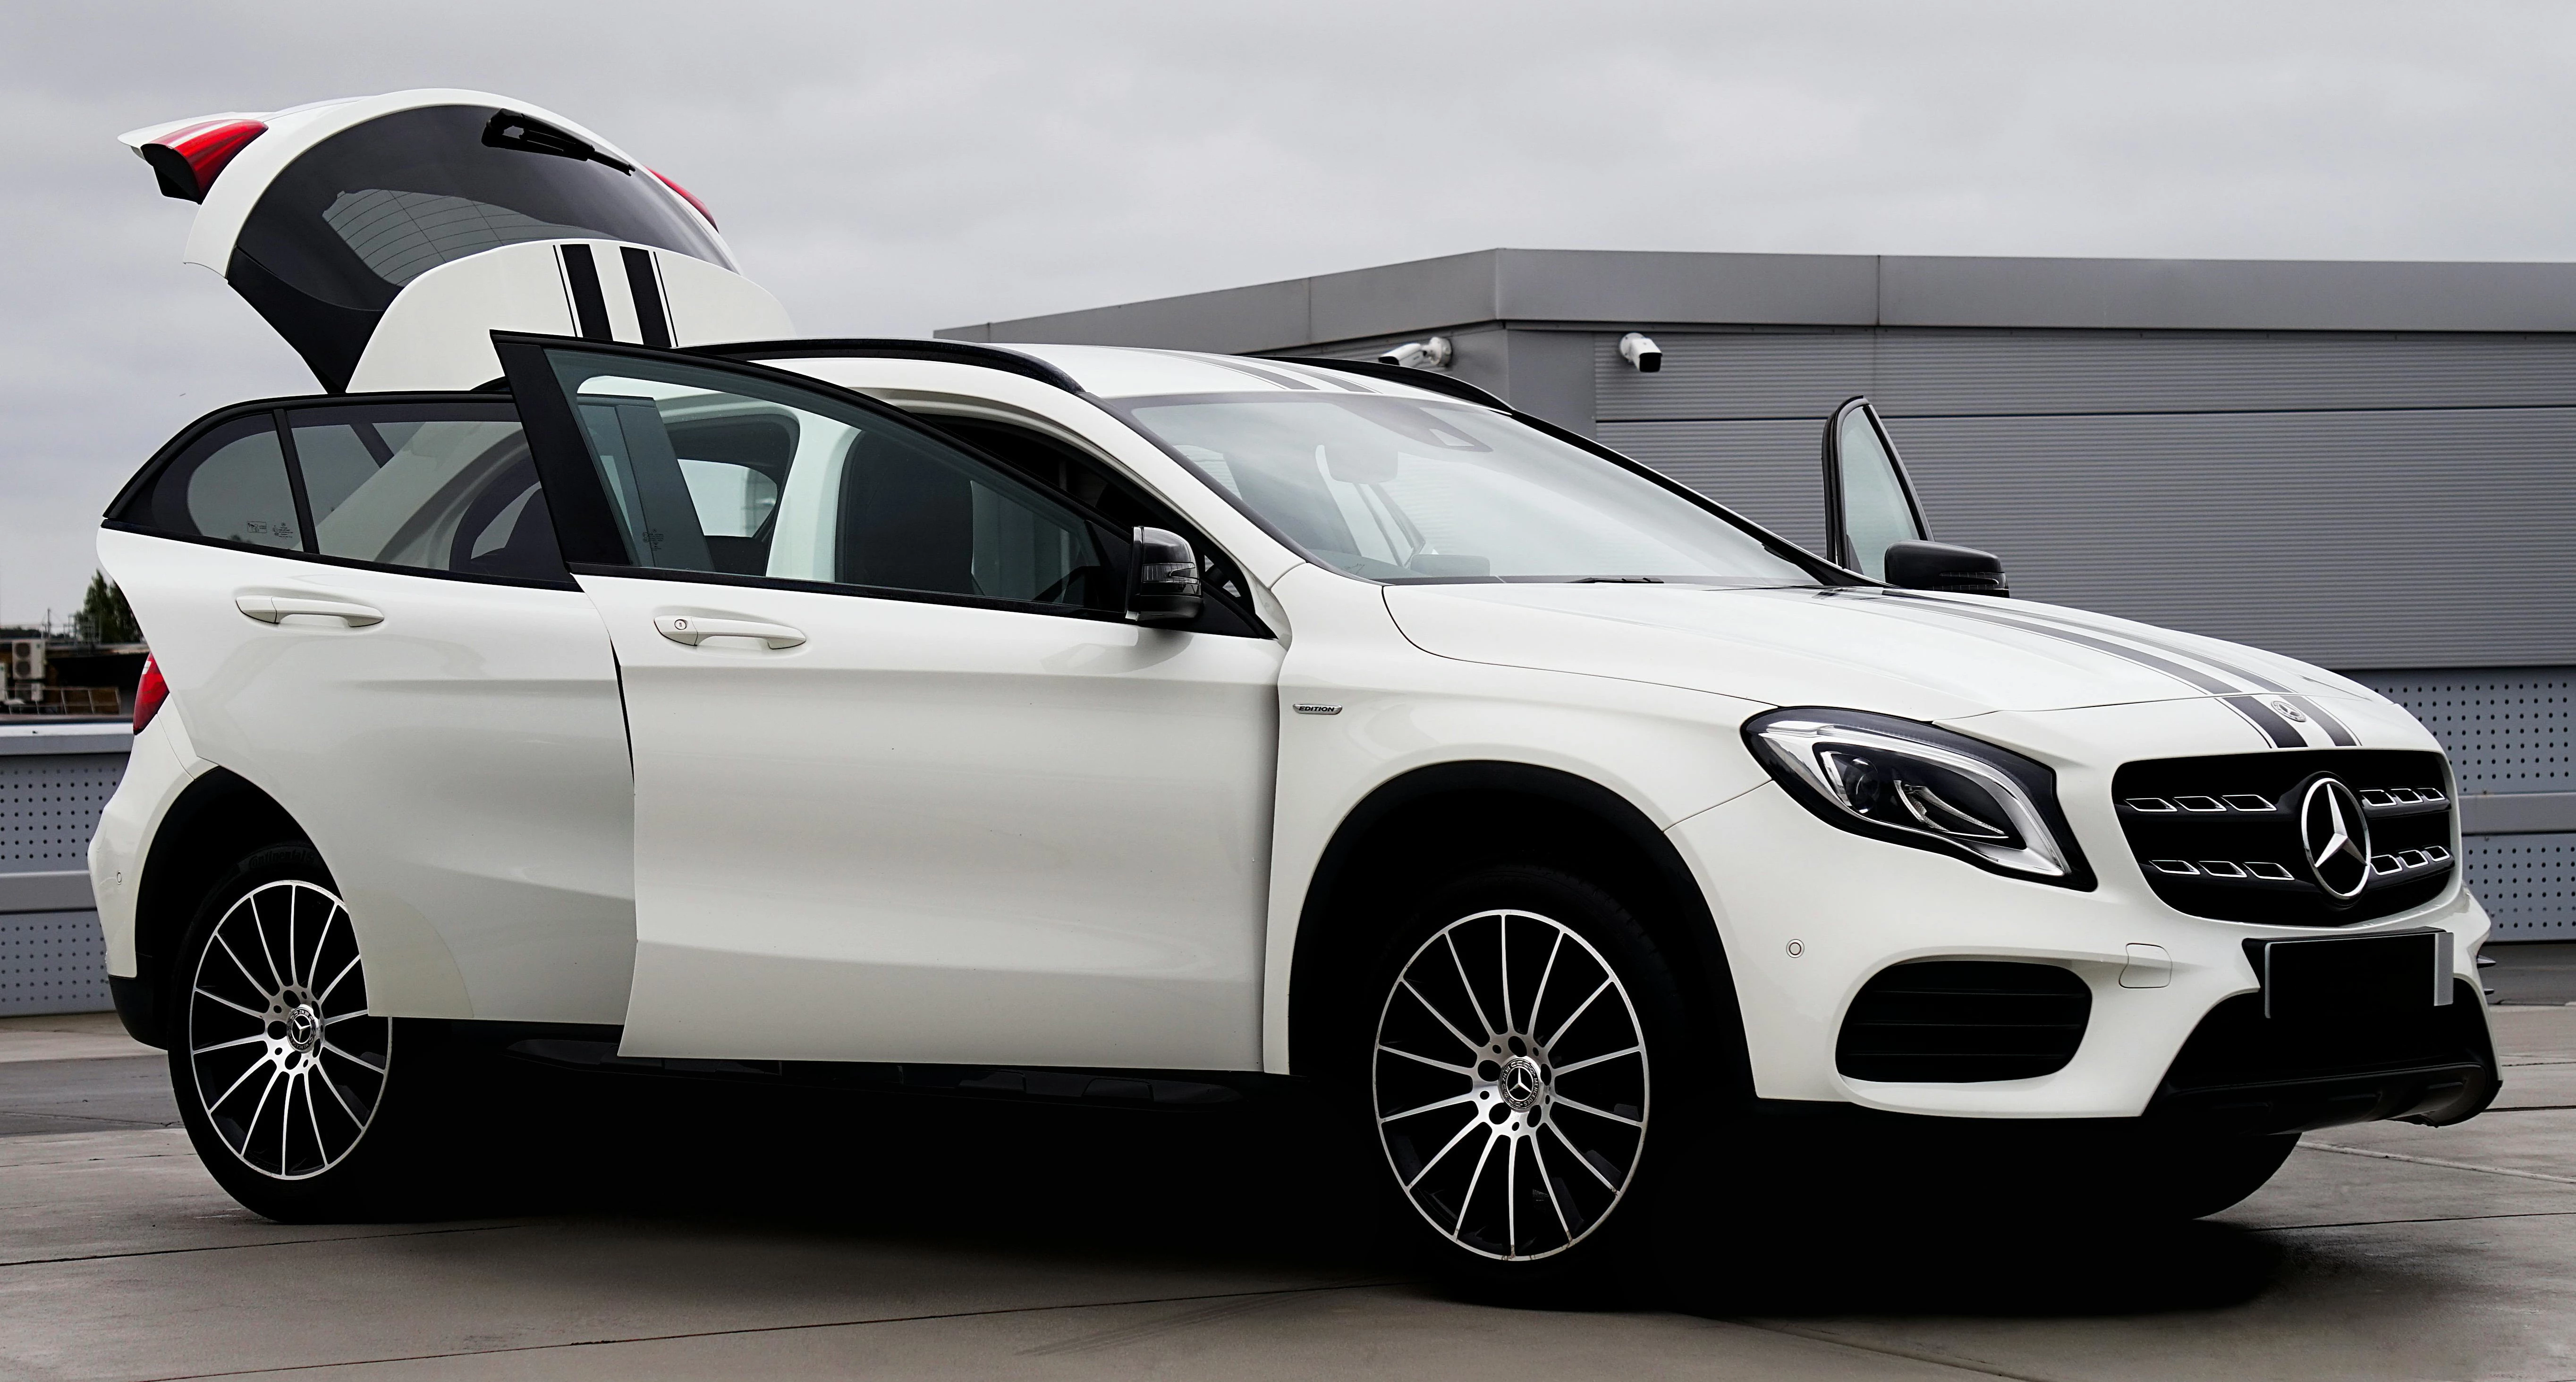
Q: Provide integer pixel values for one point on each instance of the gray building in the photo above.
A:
(2368, 465)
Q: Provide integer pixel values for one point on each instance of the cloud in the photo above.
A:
(889, 169)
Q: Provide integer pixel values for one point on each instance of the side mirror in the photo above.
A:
(1940, 566)
(1162, 577)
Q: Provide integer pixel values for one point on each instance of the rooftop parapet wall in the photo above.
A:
(1655, 288)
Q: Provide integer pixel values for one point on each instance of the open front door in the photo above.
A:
(386, 237)
(909, 785)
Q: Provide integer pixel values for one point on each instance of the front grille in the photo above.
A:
(2219, 837)
(1957, 1021)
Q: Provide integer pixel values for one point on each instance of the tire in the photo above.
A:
(1512, 1033)
(305, 1106)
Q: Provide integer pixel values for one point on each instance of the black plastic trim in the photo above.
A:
(2243, 1073)
(349, 563)
(1313, 986)
(891, 348)
(138, 1007)
(871, 592)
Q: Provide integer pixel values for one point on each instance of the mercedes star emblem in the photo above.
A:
(2335, 836)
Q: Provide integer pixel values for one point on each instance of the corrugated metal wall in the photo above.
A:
(2357, 500)
(2369, 502)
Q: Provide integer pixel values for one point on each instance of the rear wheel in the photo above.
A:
(1520, 1025)
(288, 1082)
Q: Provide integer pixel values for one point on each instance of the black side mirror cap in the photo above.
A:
(1941, 566)
(1162, 577)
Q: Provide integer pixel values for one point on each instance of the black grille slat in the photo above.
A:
(1962, 1021)
(2245, 835)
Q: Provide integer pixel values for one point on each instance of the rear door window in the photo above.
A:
(443, 485)
(433, 486)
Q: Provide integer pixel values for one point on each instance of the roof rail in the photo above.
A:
(1419, 378)
(947, 352)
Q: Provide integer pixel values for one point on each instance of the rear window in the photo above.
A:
(368, 210)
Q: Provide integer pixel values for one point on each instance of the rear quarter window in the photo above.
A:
(230, 485)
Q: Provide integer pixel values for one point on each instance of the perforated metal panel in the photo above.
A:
(2507, 730)
(49, 807)
(2526, 882)
(52, 962)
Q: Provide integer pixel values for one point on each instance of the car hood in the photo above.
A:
(1927, 656)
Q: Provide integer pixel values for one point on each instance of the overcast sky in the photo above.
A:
(888, 169)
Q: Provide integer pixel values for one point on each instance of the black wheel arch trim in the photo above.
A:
(213, 823)
(1312, 991)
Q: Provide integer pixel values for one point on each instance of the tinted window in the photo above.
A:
(369, 209)
(707, 471)
(438, 486)
(230, 484)
(366, 211)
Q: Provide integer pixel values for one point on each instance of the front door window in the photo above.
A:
(705, 471)
(1870, 507)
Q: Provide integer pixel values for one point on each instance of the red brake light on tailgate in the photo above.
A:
(187, 159)
(684, 195)
(149, 693)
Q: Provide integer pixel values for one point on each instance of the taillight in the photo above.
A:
(187, 160)
(685, 195)
(149, 693)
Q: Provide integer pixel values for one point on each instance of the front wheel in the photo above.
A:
(1521, 1024)
(292, 1089)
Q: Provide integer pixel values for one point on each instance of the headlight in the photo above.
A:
(1915, 784)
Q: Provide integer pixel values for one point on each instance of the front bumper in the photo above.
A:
(1809, 913)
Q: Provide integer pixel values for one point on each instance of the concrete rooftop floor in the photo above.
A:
(711, 1235)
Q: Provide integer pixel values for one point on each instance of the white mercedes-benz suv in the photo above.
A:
(598, 672)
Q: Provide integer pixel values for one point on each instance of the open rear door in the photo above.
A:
(386, 237)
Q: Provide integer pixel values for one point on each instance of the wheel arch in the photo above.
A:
(212, 824)
(1456, 815)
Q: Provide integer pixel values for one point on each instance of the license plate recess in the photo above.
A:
(2352, 978)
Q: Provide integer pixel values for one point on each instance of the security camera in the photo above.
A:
(1430, 354)
(1640, 350)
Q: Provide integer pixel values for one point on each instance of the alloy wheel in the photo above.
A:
(1510, 1083)
(289, 1064)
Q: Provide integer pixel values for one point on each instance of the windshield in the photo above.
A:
(1396, 489)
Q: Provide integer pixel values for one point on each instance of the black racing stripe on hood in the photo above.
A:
(2334, 728)
(2264, 719)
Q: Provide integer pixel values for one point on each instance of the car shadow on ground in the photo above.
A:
(1272, 1185)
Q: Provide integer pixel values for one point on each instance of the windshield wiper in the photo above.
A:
(1618, 580)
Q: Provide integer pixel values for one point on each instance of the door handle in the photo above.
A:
(691, 628)
(270, 609)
